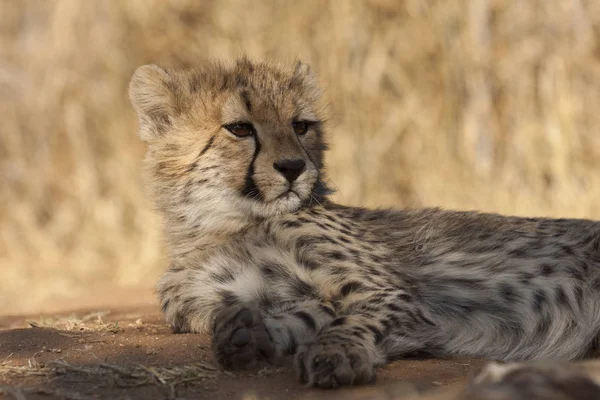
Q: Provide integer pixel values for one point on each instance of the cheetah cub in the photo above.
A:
(261, 258)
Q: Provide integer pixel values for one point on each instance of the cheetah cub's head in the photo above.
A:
(245, 137)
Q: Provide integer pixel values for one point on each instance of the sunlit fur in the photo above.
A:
(272, 268)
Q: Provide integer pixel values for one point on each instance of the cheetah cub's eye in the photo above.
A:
(300, 127)
(240, 129)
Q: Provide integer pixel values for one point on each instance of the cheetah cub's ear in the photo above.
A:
(303, 70)
(304, 75)
(153, 100)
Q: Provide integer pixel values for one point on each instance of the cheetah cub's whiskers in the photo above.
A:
(261, 258)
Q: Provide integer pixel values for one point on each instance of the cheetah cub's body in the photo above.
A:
(262, 259)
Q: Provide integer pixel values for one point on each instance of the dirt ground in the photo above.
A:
(127, 351)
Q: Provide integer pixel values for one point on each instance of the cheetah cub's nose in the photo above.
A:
(290, 169)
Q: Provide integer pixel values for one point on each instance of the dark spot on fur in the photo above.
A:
(404, 297)
(339, 270)
(228, 298)
(187, 191)
(338, 321)
(351, 287)
(397, 322)
(303, 289)
(543, 326)
(268, 226)
(388, 325)
(466, 306)
(584, 267)
(423, 318)
(246, 99)
(378, 298)
(371, 307)
(223, 276)
(330, 226)
(188, 305)
(176, 267)
(539, 298)
(507, 292)
(310, 265)
(307, 319)
(373, 272)
(337, 255)
(376, 333)
(195, 84)
(377, 259)
(358, 334)
(547, 269)
(269, 270)
(394, 307)
(355, 253)
(180, 324)
(192, 166)
(521, 252)
(240, 81)
(224, 83)
(464, 283)
(561, 296)
(328, 239)
(579, 296)
(264, 300)
(526, 278)
(361, 329)
(346, 227)
(293, 344)
(291, 224)
(165, 305)
(568, 250)
(208, 168)
(327, 310)
(306, 241)
(322, 226)
(576, 274)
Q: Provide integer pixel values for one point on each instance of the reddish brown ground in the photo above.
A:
(127, 336)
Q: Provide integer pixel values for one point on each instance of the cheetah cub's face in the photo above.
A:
(245, 136)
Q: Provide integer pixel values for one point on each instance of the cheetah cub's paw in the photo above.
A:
(330, 365)
(240, 337)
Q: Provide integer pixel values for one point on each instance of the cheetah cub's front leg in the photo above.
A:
(329, 352)
(343, 354)
(240, 337)
(371, 328)
(246, 333)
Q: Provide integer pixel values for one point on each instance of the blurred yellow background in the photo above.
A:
(474, 104)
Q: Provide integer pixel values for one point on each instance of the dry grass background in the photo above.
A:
(470, 104)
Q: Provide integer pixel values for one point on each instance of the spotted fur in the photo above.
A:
(272, 267)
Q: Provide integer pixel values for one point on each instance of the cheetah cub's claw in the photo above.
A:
(331, 365)
(240, 338)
